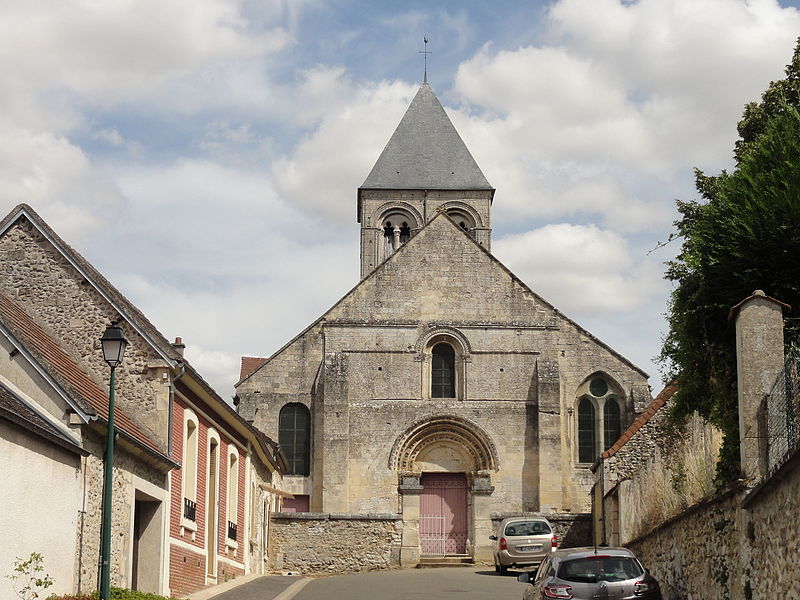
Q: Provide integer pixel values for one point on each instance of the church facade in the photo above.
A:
(441, 387)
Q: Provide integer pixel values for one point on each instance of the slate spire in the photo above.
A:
(426, 152)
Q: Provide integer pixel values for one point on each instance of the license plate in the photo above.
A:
(528, 548)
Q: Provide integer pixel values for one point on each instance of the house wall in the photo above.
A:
(188, 540)
(62, 301)
(34, 518)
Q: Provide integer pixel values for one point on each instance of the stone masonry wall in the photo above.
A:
(330, 543)
(722, 550)
(656, 474)
(56, 295)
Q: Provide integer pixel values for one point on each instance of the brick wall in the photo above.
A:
(186, 571)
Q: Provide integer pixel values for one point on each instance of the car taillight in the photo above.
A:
(557, 591)
(554, 541)
(644, 587)
(503, 544)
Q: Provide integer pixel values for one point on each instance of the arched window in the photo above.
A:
(189, 467)
(294, 438)
(443, 371)
(233, 493)
(611, 422)
(587, 445)
(463, 219)
(405, 233)
(600, 417)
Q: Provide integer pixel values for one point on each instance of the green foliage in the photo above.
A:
(125, 594)
(28, 576)
(114, 594)
(746, 236)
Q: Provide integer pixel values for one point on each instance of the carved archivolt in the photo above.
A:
(441, 330)
(461, 207)
(451, 430)
(389, 208)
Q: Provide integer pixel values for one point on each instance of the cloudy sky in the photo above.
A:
(204, 154)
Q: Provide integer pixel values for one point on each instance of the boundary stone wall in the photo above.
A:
(334, 543)
(740, 545)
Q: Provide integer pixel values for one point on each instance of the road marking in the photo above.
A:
(293, 589)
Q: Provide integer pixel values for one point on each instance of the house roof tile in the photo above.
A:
(67, 372)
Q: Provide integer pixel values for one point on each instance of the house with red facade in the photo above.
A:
(193, 482)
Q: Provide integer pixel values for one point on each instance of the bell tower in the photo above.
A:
(424, 169)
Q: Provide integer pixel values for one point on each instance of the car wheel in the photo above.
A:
(503, 570)
(496, 567)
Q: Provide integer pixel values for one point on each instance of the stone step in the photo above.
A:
(456, 560)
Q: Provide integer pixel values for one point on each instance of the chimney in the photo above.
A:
(759, 360)
(179, 346)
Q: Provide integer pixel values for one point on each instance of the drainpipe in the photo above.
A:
(179, 348)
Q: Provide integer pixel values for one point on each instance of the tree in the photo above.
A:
(744, 236)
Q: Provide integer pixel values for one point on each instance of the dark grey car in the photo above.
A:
(591, 574)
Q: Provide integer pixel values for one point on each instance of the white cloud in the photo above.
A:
(326, 168)
(580, 268)
(55, 177)
(628, 91)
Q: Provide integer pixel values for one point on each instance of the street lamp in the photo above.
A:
(113, 343)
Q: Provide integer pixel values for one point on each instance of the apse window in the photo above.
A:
(294, 438)
(599, 422)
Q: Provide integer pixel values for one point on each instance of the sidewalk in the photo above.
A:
(254, 587)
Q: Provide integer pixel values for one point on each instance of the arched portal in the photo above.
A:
(443, 443)
(442, 462)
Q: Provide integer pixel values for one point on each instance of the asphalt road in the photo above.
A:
(412, 584)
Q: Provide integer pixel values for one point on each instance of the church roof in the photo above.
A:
(426, 152)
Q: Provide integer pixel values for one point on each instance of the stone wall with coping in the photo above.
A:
(658, 473)
(740, 545)
(334, 543)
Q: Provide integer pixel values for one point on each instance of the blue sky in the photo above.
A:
(204, 154)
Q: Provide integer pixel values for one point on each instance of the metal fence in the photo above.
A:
(783, 413)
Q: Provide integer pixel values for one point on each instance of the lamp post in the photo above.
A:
(113, 343)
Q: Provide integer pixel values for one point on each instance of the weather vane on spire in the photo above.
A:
(425, 53)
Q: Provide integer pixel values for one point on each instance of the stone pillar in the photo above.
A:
(759, 360)
(336, 423)
(410, 488)
(481, 491)
(551, 486)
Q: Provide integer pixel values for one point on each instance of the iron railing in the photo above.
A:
(783, 413)
(190, 509)
(232, 528)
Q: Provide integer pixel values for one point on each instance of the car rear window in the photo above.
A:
(592, 569)
(527, 528)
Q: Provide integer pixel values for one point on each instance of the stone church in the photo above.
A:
(441, 388)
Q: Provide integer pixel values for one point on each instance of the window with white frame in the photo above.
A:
(189, 466)
(233, 493)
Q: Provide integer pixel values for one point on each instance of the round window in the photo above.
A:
(598, 387)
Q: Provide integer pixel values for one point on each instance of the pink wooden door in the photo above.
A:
(443, 514)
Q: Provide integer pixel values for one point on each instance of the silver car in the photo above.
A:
(591, 574)
(522, 542)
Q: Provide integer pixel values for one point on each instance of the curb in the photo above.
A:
(214, 590)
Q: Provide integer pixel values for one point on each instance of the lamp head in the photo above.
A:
(113, 343)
